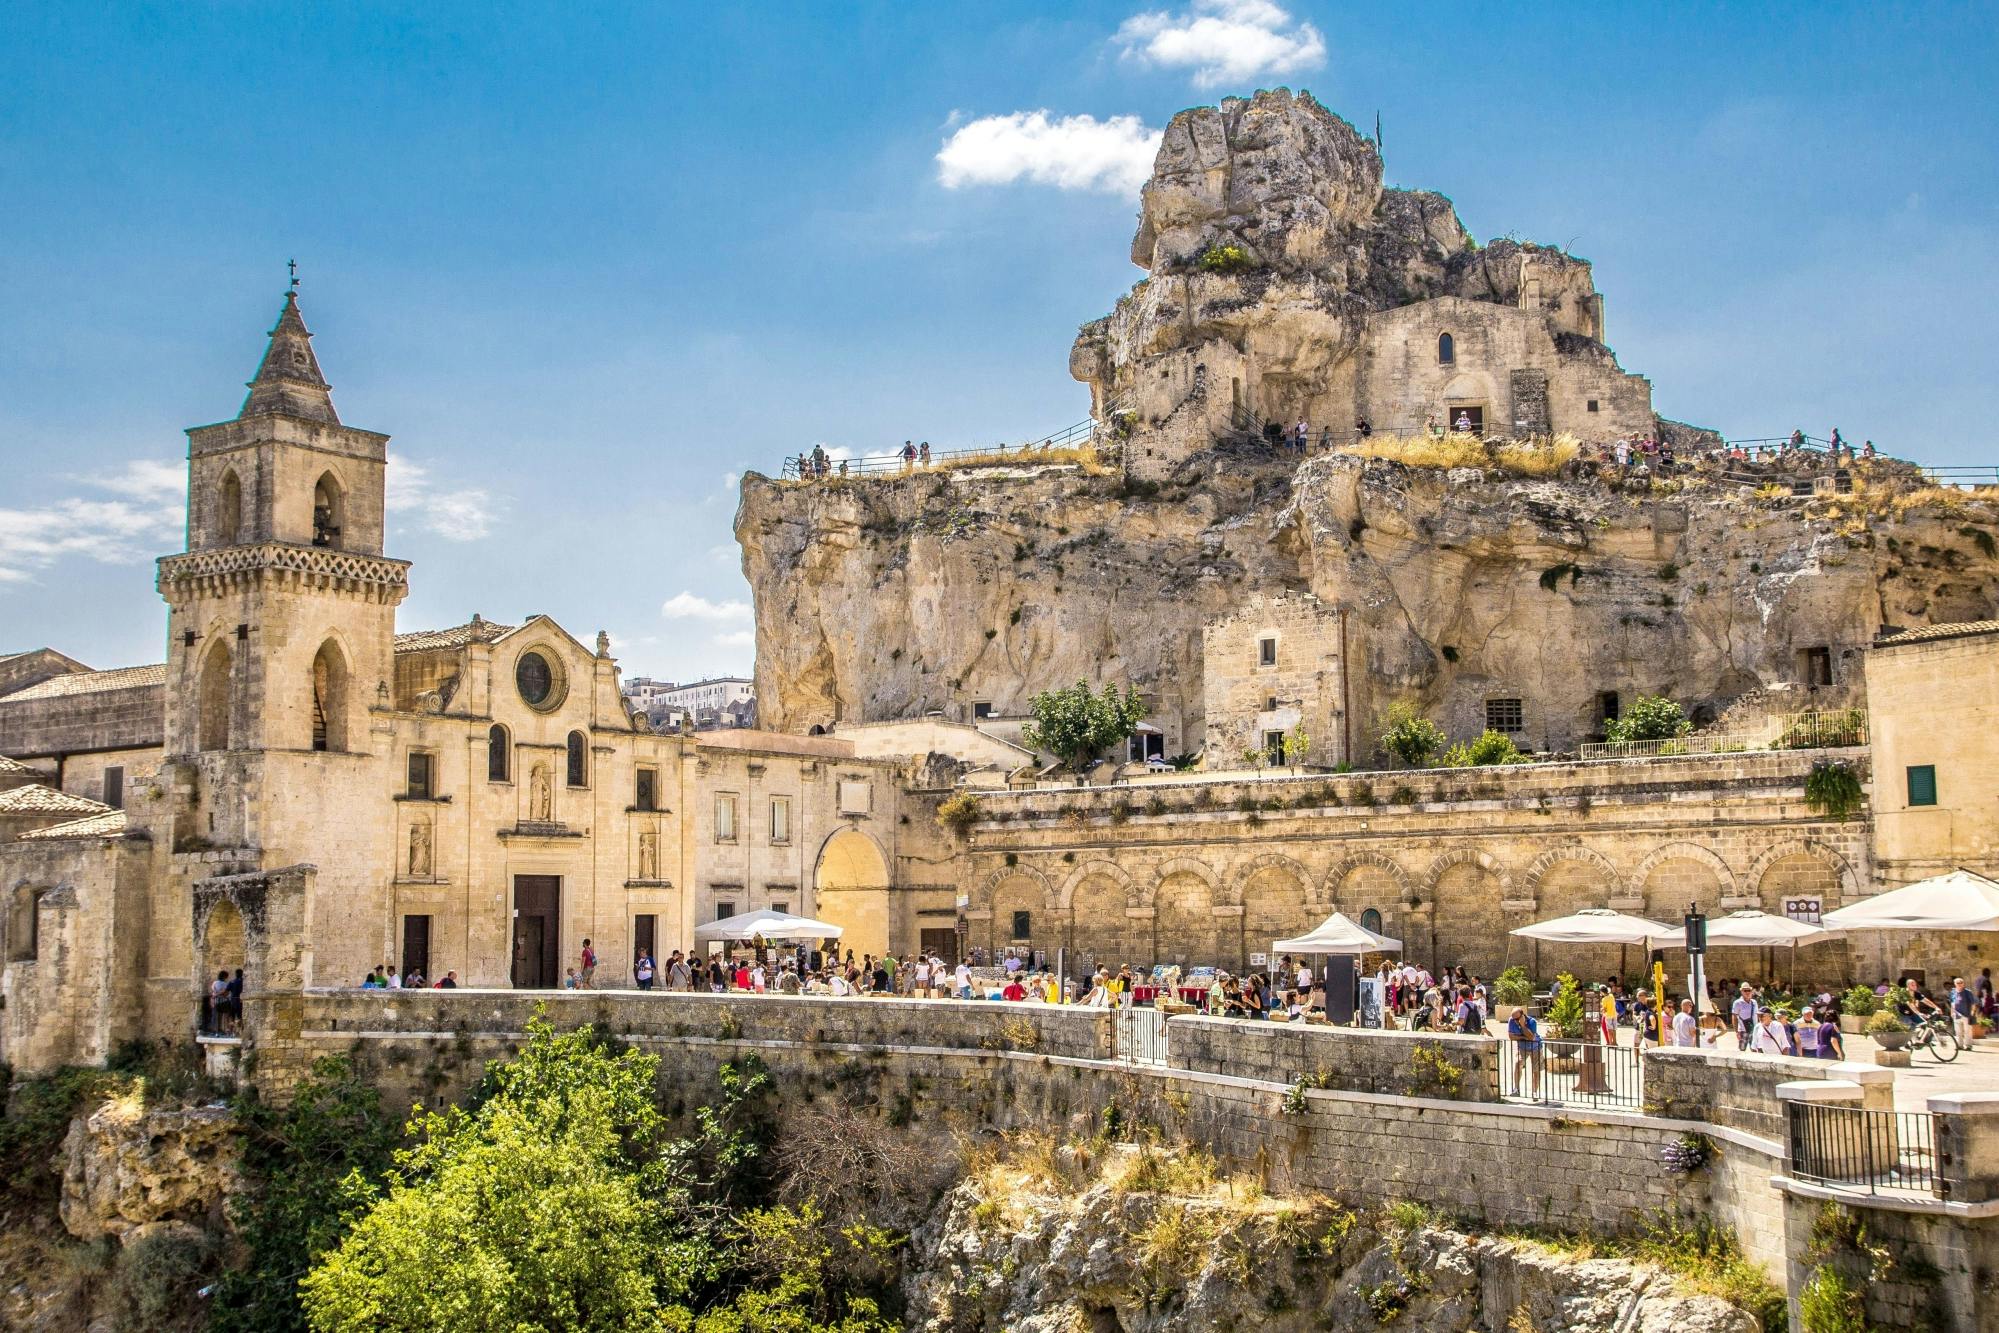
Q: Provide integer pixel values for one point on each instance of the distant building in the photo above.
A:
(705, 705)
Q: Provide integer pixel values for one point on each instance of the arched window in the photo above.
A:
(499, 754)
(1447, 351)
(1371, 920)
(328, 512)
(214, 699)
(579, 772)
(329, 698)
(229, 509)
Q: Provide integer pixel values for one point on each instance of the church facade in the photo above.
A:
(302, 792)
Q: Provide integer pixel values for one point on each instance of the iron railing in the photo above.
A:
(1568, 1072)
(1824, 729)
(810, 467)
(1139, 1034)
(1674, 747)
(1962, 477)
(1856, 1148)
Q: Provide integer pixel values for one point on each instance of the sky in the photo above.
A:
(587, 265)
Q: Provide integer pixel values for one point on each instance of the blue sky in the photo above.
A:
(589, 263)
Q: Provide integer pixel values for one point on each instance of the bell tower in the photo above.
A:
(281, 616)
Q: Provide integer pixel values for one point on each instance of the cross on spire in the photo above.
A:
(292, 264)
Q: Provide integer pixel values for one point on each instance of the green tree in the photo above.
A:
(1076, 725)
(1651, 717)
(1410, 737)
(1565, 1011)
(1490, 747)
(1296, 745)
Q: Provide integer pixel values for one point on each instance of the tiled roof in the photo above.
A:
(9, 768)
(36, 799)
(472, 631)
(1963, 629)
(107, 824)
(93, 682)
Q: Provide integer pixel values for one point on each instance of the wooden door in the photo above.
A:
(942, 943)
(416, 946)
(537, 942)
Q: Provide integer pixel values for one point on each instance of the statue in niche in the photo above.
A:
(648, 856)
(420, 850)
(539, 795)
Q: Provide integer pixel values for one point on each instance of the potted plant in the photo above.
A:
(1564, 1019)
(1890, 1033)
(1510, 991)
(1855, 1007)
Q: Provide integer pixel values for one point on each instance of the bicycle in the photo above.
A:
(1933, 1034)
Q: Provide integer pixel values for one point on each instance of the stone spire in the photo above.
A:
(288, 381)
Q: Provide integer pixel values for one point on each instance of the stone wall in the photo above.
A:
(66, 724)
(1173, 870)
(1300, 689)
(1740, 1090)
(1345, 1059)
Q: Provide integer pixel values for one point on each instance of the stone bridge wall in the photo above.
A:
(1347, 1059)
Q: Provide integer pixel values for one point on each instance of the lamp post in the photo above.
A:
(1696, 926)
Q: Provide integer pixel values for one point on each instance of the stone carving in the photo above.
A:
(648, 856)
(420, 850)
(540, 796)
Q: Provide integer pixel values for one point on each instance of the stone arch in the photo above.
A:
(228, 509)
(224, 941)
(1537, 872)
(1641, 881)
(1275, 894)
(1008, 890)
(1180, 865)
(1184, 925)
(1369, 881)
(1093, 908)
(215, 697)
(1842, 871)
(1447, 351)
(499, 753)
(851, 886)
(330, 697)
(329, 510)
(1065, 896)
(1332, 893)
(1463, 893)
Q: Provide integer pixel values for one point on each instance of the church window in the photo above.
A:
(1370, 919)
(725, 817)
(780, 819)
(328, 512)
(229, 509)
(214, 700)
(645, 794)
(1447, 350)
(579, 769)
(535, 679)
(499, 754)
(329, 698)
(1505, 715)
(422, 775)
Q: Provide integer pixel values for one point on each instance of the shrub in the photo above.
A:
(1860, 1001)
(1512, 987)
(959, 811)
(1830, 1302)
(1885, 1020)
(1833, 789)
(1490, 747)
(1412, 739)
(156, 1276)
(1224, 259)
(1650, 717)
(1565, 1013)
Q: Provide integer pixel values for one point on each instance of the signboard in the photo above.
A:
(1802, 909)
(1370, 1002)
(1258, 959)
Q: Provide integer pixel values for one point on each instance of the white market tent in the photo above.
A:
(1595, 925)
(769, 925)
(1959, 900)
(1750, 929)
(1339, 934)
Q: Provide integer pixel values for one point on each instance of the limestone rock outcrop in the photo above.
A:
(888, 599)
(1119, 1262)
(128, 1168)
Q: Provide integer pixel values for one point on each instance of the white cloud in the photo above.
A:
(728, 481)
(460, 516)
(692, 606)
(150, 522)
(737, 638)
(1070, 153)
(1223, 41)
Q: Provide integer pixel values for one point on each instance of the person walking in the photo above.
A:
(1744, 1012)
(1686, 1027)
(1769, 1038)
(586, 976)
(1302, 435)
(642, 970)
(923, 453)
(908, 455)
(678, 975)
(1963, 1007)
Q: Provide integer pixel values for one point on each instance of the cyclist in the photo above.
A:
(1914, 1005)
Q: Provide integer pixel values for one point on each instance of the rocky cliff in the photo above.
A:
(888, 598)
(1013, 1251)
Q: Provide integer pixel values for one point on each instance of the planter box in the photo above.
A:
(1853, 1025)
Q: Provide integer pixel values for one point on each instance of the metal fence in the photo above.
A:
(1139, 1034)
(1826, 729)
(1568, 1072)
(1856, 1148)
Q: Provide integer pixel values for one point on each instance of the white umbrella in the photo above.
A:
(1594, 925)
(1752, 929)
(1339, 934)
(771, 925)
(1959, 900)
